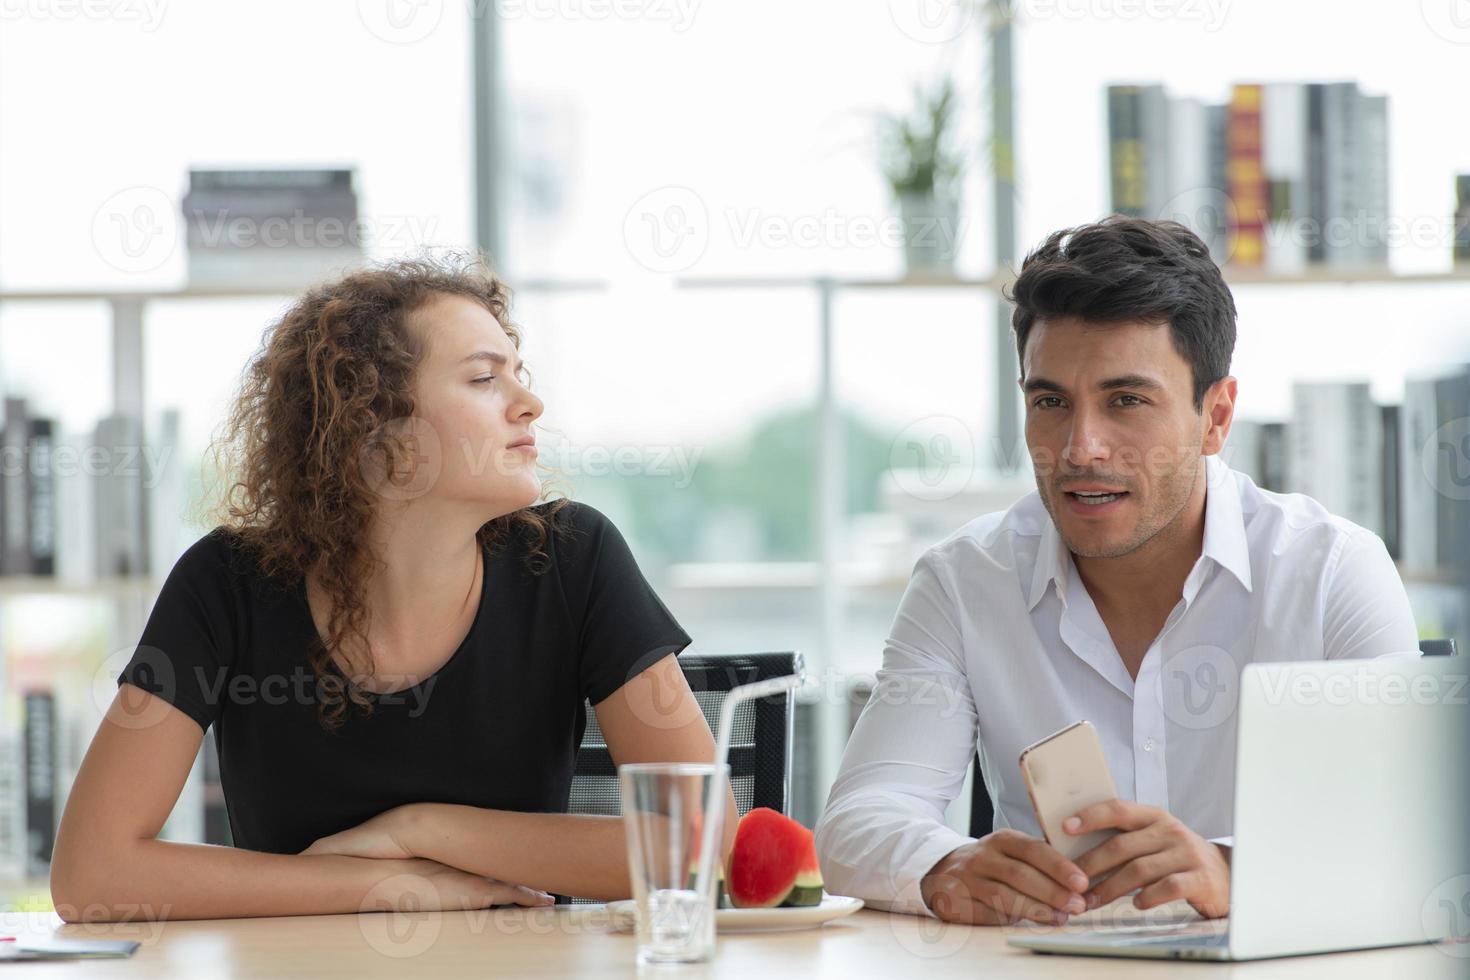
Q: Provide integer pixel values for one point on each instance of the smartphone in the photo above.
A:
(1067, 772)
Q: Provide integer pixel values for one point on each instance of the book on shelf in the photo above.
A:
(14, 493)
(1245, 176)
(1335, 449)
(1371, 183)
(76, 517)
(1125, 152)
(27, 493)
(1419, 506)
(1339, 137)
(1317, 211)
(41, 496)
(1195, 130)
(40, 780)
(1462, 218)
(121, 507)
(1244, 449)
(1298, 171)
(1390, 471)
(1273, 456)
(165, 494)
(1284, 165)
(12, 807)
(1449, 457)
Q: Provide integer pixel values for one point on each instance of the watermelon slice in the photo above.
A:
(773, 863)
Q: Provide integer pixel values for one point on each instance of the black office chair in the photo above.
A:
(982, 814)
(760, 742)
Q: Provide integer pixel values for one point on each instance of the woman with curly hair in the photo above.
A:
(392, 638)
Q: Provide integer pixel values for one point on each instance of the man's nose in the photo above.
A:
(1085, 442)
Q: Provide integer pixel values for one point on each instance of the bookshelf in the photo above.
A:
(128, 308)
(828, 577)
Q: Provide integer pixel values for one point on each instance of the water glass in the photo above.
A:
(663, 815)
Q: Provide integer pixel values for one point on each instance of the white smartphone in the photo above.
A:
(1067, 772)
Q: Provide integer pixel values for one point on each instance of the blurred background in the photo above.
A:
(757, 252)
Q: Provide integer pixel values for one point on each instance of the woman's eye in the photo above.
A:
(484, 380)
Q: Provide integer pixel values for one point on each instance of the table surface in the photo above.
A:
(580, 941)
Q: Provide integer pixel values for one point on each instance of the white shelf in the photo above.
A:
(247, 291)
(1235, 276)
(41, 585)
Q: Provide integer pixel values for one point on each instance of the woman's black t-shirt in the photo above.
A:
(497, 726)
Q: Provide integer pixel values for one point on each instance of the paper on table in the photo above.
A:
(67, 949)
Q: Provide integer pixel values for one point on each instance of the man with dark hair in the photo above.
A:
(1129, 590)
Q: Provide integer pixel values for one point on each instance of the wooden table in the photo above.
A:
(579, 941)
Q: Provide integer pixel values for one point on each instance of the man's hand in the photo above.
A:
(1002, 878)
(1154, 852)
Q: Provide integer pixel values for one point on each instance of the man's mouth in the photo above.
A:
(1096, 498)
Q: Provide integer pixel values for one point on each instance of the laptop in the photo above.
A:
(1352, 798)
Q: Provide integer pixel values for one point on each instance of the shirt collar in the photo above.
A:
(1224, 539)
(1225, 542)
(1052, 562)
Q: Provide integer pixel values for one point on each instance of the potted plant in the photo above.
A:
(923, 168)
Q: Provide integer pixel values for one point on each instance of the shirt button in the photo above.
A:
(1148, 745)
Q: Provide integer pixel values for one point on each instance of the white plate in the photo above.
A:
(624, 916)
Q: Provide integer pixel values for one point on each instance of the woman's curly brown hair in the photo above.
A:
(329, 375)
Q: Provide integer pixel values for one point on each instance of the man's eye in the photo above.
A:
(1128, 401)
(1048, 401)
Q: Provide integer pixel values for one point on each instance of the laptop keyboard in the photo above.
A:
(1205, 941)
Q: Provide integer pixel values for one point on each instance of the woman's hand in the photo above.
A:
(383, 836)
(421, 885)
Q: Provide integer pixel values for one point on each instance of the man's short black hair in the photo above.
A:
(1124, 268)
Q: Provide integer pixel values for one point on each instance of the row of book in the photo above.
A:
(1403, 471)
(271, 227)
(1283, 175)
(97, 505)
(38, 763)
